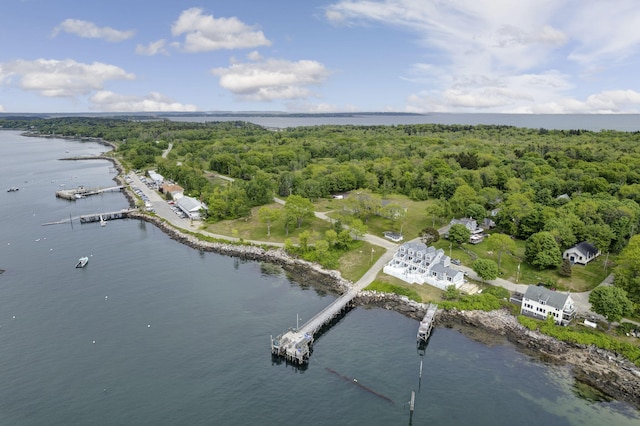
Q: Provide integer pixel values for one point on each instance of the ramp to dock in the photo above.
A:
(295, 344)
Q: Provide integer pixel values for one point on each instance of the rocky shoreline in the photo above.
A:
(612, 375)
(605, 371)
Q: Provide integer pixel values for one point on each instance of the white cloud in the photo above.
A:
(205, 33)
(153, 102)
(605, 102)
(510, 56)
(152, 48)
(266, 80)
(88, 29)
(605, 31)
(55, 78)
(2, 108)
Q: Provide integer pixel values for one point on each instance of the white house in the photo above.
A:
(581, 253)
(540, 302)
(416, 263)
(191, 207)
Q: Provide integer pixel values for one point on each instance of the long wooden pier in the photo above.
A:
(295, 344)
(426, 325)
(81, 192)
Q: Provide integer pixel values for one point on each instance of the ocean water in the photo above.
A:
(593, 122)
(152, 332)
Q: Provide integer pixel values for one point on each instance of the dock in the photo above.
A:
(102, 217)
(295, 345)
(81, 192)
(94, 217)
(426, 325)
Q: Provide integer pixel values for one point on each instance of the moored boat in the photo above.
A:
(82, 262)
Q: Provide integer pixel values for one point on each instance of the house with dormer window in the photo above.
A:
(540, 303)
(417, 263)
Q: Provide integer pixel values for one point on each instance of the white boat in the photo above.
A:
(82, 262)
(13, 189)
(102, 221)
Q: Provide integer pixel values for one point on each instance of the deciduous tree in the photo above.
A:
(542, 251)
(268, 215)
(459, 234)
(486, 269)
(611, 302)
(500, 244)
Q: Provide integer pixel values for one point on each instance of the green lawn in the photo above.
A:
(250, 228)
(354, 263)
(426, 292)
(413, 223)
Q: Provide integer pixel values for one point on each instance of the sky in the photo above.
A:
(320, 56)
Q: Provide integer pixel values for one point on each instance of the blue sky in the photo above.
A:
(524, 56)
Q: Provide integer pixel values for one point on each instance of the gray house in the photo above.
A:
(581, 253)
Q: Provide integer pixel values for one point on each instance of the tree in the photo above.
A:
(451, 293)
(331, 237)
(358, 228)
(627, 271)
(611, 302)
(500, 244)
(476, 211)
(542, 251)
(462, 198)
(486, 269)
(268, 215)
(298, 208)
(429, 235)
(565, 268)
(459, 234)
(436, 209)
(517, 207)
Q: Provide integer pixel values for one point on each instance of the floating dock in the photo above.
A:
(426, 325)
(81, 192)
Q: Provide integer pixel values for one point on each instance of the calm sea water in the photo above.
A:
(152, 332)
(594, 122)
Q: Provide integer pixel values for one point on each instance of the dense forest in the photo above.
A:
(571, 185)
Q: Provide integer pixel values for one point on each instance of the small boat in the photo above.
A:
(82, 262)
(102, 221)
(13, 189)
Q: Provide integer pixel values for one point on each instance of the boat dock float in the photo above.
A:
(426, 325)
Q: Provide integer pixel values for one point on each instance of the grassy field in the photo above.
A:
(411, 225)
(250, 228)
(356, 262)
